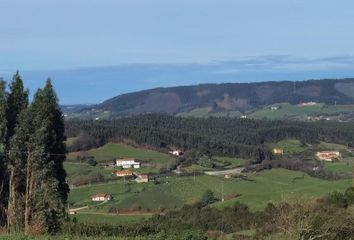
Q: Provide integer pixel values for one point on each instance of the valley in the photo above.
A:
(132, 202)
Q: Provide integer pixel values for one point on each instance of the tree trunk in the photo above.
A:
(11, 204)
(29, 187)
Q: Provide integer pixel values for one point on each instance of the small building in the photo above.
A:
(176, 153)
(123, 173)
(278, 151)
(328, 156)
(227, 176)
(314, 118)
(274, 108)
(142, 179)
(127, 163)
(101, 197)
(306, 104)
(243, 116)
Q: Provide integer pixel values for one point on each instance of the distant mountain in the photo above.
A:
(241, 97)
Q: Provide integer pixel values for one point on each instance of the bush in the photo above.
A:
(91, 161)
(208, 198)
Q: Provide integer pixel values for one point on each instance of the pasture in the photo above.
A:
(274, 185)
(288, 111)
(111, 151)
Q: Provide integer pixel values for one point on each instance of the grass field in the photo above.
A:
(234, 162)
(76, 171)
(289, 145)
(345, 165)
(288, 111)
(268, 186)
(228, 162)
(112, 151)
(109, 219)
(331, 146)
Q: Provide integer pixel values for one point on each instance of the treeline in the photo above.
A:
(217, 136)
(33, 189)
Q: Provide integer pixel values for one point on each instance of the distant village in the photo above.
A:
(127, 167)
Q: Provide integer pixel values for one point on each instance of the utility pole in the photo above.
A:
(353, 178)
(222, 191)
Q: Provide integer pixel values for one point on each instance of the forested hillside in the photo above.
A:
(228, 97)
(219, 136)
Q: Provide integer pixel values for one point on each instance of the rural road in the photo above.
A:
(223, 172)
(85, 207)
(119, 214)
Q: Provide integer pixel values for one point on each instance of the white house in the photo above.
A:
(127, 163)
(176, 153)
(101, 197)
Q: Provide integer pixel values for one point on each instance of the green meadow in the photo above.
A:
(288, 111)
(112, 151)
(274, 185)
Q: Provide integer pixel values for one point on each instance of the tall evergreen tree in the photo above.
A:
(17, 101)
(47, 188)
(19, 154)
(3, 127)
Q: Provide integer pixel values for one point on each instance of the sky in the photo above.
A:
(96, 49)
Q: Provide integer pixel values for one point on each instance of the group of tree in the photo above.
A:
(232, 137)
(33, 190)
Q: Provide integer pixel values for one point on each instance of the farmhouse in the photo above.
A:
(127, 163)
(176, 153)
(100, 197)
(142, 179)
(123, 173)
(328, 156)
(278, 151)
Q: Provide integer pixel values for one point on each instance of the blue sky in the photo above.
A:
(108, 47)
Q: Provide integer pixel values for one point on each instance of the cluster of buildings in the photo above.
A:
(140, 178)
(126, 164)
(328, 156)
